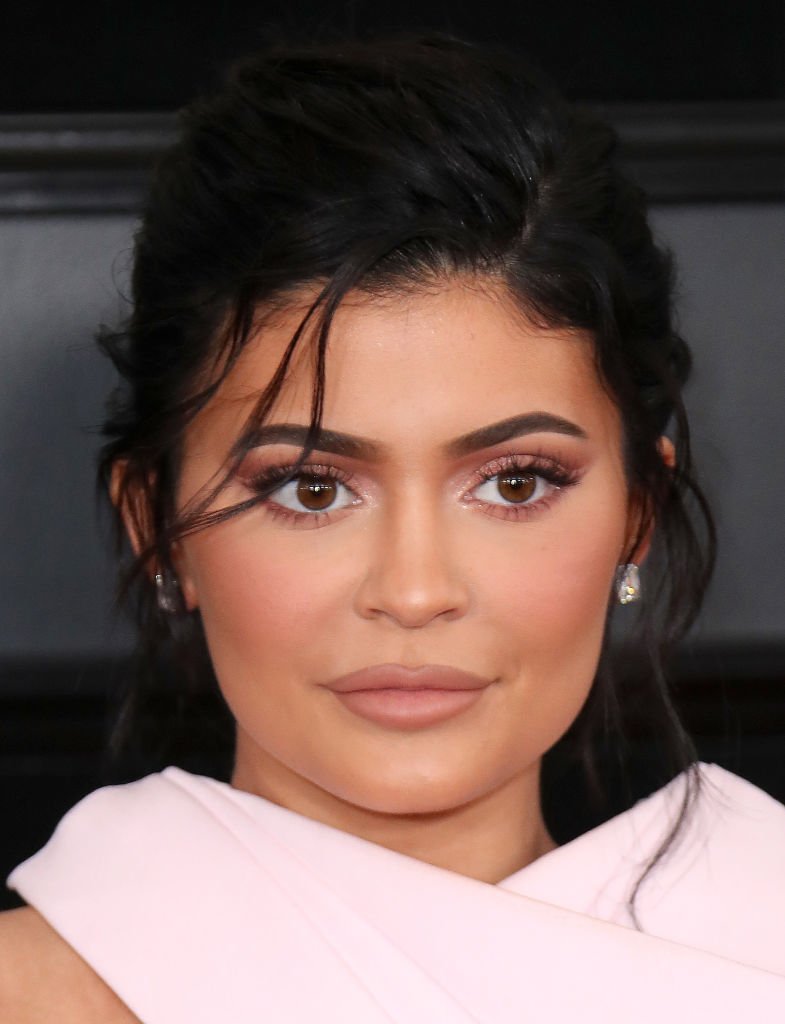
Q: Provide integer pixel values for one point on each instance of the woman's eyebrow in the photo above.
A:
(515, 426)
(352, 446)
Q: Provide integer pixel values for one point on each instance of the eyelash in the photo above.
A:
(556, 475)
(265, 480)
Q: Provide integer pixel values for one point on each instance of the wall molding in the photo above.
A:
(100, 163)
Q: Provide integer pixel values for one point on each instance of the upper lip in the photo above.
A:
(399, 677)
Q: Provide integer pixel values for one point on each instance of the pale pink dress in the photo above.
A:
(200, 904)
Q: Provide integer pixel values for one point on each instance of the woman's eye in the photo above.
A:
(512, 487)
(311, 493)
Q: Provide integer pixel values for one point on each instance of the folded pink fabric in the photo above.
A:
(199, 903)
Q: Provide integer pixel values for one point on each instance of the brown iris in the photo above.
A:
(517, 487)
(316, 493)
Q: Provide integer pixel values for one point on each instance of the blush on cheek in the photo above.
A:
(558, 623)
(582, 589)
(554, 603)
(248, 597)
(571, 580)
(267, 607)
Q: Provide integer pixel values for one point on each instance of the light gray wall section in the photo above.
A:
(732, 261)
(60, 276)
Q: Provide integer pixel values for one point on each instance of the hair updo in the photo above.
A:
(382, 166)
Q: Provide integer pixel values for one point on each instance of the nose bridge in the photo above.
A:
(412, 575)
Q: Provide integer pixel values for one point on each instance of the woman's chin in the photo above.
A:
(412, 796)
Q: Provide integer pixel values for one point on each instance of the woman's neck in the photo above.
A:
(489, 838)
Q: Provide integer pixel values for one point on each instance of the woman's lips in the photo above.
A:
(404, 698)
(408, 709)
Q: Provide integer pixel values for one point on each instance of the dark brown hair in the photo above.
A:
(383, 166)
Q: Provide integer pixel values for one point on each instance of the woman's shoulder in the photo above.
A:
(723, 882)
(719, 884)
(43, 978)
(744, 824)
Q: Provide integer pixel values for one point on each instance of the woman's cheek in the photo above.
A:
(262, 600)
(564, 568)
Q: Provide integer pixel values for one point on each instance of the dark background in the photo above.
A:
(125, 55)
(697, 91)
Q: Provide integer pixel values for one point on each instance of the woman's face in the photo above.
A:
(429, 544)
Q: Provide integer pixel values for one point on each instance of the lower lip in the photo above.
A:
(409, 709)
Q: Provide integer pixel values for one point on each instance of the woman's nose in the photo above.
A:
(412, 575)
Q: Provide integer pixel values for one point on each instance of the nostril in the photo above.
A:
(412, 600)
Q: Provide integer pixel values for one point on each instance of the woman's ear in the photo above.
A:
(127, 497)
(641, 521)
(667, 451)
(127, 501)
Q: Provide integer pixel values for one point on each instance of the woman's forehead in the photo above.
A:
(455, 358)
(452, 331)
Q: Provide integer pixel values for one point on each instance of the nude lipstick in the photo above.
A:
(408, 698)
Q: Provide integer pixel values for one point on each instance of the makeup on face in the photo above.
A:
(401, 697)
(512, 485)
(462, 506)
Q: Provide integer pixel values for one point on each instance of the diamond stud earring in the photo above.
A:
(628, 583)
(166, 592)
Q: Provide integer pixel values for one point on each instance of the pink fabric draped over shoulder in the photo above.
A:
(199, 903)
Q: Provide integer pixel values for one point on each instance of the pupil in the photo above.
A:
(519, 487)
(316, 494)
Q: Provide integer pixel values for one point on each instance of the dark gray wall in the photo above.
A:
(732, 261)
(57, 274)
(60, 277)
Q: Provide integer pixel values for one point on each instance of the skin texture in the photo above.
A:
(418, 562)
(43, 980)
